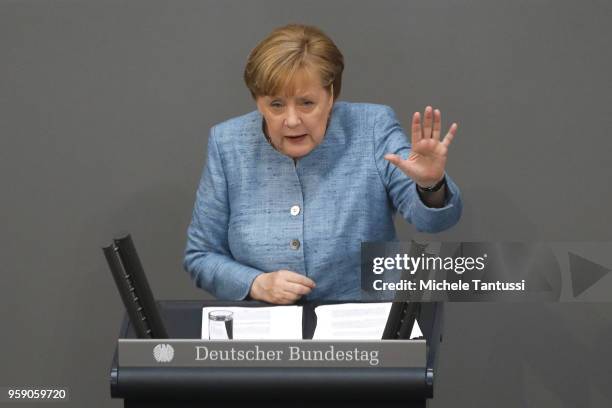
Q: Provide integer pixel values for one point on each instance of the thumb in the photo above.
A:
(394, 159)
(403, 165)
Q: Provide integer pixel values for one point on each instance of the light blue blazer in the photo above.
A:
(257, 212)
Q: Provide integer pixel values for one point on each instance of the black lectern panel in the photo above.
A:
(296, 402)
(191, 383)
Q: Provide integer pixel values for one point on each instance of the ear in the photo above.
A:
(331, 97)
(331, 100)
(260, 103)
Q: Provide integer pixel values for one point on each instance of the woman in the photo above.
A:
(291, 190)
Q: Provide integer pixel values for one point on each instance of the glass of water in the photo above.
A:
(220, 325)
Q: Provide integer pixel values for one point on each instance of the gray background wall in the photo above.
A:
(104, 113)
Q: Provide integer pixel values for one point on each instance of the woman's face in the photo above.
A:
(296, 123)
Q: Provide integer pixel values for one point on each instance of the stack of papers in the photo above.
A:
(261, 323)
(348, 321)
(362, 321)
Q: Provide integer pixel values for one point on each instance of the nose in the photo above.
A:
(292, 120)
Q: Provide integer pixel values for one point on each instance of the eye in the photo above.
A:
(276, 104)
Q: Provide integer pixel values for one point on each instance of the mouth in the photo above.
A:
(297, 138)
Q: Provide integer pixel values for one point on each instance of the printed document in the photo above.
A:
(348, 321)
(355, 321)
(261, 323)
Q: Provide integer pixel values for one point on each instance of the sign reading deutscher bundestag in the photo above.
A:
(487, 271)
(285, 354)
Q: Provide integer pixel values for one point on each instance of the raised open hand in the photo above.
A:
(427, 160)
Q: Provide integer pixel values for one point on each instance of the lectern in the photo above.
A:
(278, 387)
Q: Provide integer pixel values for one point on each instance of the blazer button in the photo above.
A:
(295, 210)
(295, 244)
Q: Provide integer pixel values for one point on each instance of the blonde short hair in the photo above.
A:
(273, 63)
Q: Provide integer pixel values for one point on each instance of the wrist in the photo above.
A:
(255, 291)
(432, 188)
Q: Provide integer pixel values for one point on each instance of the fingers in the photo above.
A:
(296, 288)
(284, 297)
(290, 292)
(437, 124)
(431, 126)
(281, 287)
(427, 123)
(299, 279)
(450, 135)
(288, 287)
(417, 133)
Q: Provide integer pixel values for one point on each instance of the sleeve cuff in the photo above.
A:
(227, 279)
(430, 219)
